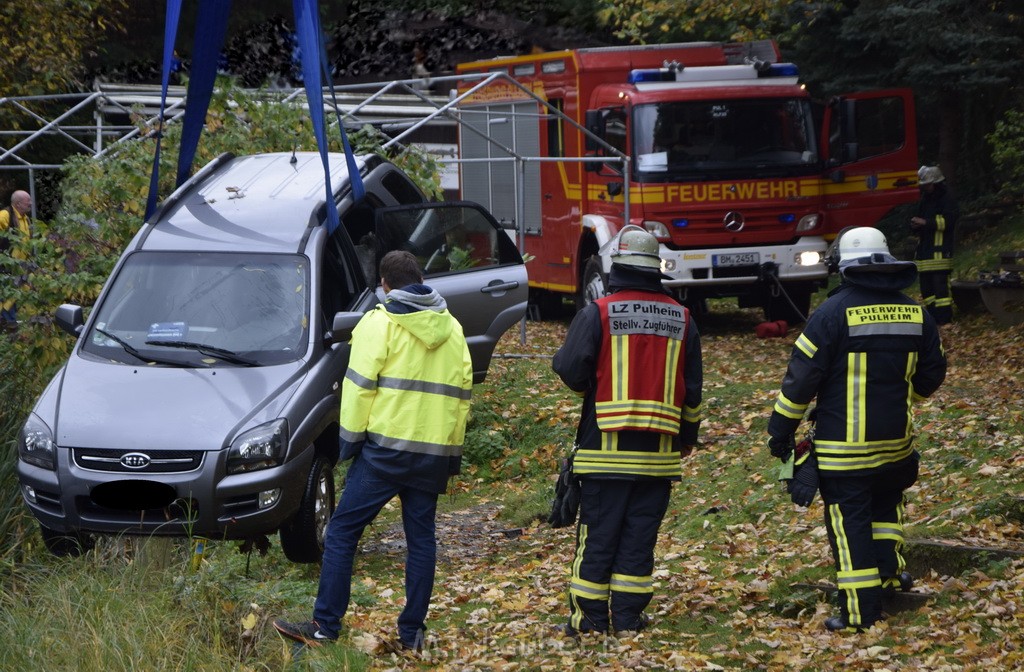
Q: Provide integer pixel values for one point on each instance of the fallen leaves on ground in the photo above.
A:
(720, 591)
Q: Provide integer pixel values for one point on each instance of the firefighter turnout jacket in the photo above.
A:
(635, 357)
(867, 353)
(406, 394)
(940, 213)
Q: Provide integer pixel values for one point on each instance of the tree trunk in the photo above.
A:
(949, 135)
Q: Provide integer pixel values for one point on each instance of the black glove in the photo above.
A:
(804, 482)
(566, 503)
(782, 446)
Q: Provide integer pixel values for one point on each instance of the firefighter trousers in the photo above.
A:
(864, 521)
(614, 562)
(937, 295)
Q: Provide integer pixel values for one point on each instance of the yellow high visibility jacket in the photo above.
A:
(407, 394)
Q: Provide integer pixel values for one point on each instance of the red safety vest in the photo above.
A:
(640, 375)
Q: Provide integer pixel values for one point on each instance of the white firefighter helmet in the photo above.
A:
(862, 241)
(929, 175)
(635, 247)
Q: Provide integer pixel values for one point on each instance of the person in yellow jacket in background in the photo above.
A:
(635, 356)
(15, 230)
(404, 405)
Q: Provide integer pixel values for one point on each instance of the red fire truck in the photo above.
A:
(715, 148)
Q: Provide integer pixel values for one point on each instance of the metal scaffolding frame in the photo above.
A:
(399, 107)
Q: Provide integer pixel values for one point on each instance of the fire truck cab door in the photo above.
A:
(869, 146)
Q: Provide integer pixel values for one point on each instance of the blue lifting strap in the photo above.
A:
(211, 27)
(170, 33)
(307, 28)
(358, 190)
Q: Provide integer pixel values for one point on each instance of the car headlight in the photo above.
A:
(35, 445)
(258, 448)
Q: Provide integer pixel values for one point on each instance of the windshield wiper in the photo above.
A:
(135, 353)
(209, 350)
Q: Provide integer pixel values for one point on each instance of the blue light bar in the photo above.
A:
(787, 218)
(781, 70)
(657, 75)
(680, 223)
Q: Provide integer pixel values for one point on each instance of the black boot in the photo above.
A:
(889, 585)
(837, 624)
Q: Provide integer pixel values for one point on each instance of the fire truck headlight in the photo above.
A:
(657, 229)
(807, 223)
(809, 258)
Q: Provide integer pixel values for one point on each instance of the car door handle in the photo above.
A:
(499, 286)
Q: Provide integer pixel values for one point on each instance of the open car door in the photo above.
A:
(870, 145)
(469, 259)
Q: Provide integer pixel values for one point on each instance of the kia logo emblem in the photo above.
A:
(733, 221)
(135, 460)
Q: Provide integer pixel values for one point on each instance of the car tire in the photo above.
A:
(594, 285)
(66, 544)
(302, 537)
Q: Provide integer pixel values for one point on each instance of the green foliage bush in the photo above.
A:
(1007, 142)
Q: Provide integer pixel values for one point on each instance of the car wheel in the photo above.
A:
(302, 537)
(594, 285)
(66, 544)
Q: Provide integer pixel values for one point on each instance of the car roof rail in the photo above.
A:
(187, 186)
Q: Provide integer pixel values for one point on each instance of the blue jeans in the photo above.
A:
(365, 494)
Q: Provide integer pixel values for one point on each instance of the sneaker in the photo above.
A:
(417, 645)
(307, 633)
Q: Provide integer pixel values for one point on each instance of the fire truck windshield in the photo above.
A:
(723, 138)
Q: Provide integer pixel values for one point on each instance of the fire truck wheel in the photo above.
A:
(594, 285)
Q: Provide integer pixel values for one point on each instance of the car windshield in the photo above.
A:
(719, 138)
(204, 309)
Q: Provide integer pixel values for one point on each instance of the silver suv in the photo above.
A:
(202, 395)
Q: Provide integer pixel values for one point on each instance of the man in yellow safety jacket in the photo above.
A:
(15, 230)
(635, 356)
(404, 404)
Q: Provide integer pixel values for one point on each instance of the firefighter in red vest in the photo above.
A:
(635, 357)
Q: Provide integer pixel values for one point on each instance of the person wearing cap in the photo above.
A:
(866, 354)
(934, 225)
(635, 357)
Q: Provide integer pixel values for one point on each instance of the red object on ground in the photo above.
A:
(772, 329)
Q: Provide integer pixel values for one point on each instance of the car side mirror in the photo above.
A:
(344, 323)
(69, 318)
